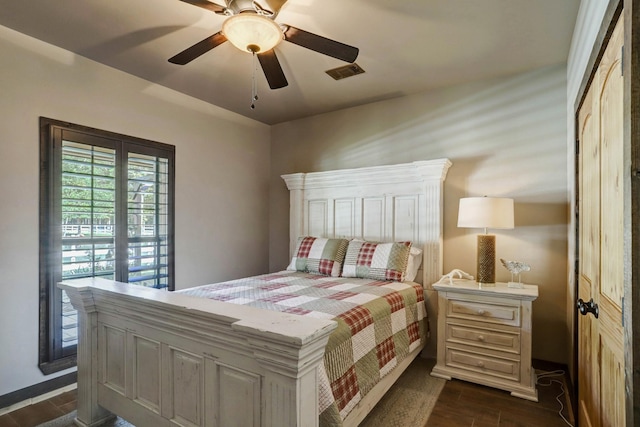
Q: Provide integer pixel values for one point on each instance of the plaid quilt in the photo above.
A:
(379, 324)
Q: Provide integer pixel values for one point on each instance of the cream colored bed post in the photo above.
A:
(295, 184)
(89, 413)
(434, 174)
(291, 382)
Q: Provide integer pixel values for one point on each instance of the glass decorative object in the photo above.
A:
(515, 268)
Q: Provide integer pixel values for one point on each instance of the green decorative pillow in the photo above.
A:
(319, 256)
(378, 261)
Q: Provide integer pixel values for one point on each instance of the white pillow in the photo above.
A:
(415, 259)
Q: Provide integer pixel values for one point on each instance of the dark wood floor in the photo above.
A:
(38, 413)
(460, 404)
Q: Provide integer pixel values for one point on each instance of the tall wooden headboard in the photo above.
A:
(382, 203)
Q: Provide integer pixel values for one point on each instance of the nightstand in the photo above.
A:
(484, 335)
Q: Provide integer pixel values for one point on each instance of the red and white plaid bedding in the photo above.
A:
(379, 324)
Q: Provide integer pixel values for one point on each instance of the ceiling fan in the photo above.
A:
(251, 28)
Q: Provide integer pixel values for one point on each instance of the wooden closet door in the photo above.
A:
(601, 394)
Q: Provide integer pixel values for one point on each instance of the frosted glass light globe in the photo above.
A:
(251, 32)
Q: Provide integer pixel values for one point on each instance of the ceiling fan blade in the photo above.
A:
(321, 44)
(272, 69)
(206, 5)
(198, 49)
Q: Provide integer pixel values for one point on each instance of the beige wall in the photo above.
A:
(221, 178)
(505, 137)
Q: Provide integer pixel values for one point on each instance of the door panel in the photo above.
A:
(601, 203)
(611, 289)
(589, 255)
(611, 116)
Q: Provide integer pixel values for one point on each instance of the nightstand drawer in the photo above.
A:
(485, 312)
(492, 339)
(483, 364)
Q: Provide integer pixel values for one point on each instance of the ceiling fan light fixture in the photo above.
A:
(251, 32)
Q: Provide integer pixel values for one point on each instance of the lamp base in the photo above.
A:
(486, 266)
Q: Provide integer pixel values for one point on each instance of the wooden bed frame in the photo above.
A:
(165, 359)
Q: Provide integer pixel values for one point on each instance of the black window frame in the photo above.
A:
(53, 357)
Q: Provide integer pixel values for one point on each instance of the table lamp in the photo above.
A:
(486, 212)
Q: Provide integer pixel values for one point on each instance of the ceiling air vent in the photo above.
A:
(346, 71)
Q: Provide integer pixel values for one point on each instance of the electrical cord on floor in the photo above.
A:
(550, 377)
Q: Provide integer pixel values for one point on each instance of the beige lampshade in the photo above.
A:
(251, 32)
(485, 212)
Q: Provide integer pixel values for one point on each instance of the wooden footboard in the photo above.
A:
(164, 359)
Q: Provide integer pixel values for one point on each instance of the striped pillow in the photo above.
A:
(378, 261)
(319, 256)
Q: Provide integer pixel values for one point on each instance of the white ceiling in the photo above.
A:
(406, 46)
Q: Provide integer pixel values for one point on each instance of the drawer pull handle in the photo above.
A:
(481, 364)
(480, 337)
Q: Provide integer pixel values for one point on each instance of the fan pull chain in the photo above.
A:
(254, 83)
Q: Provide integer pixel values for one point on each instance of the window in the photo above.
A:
(106, 210)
